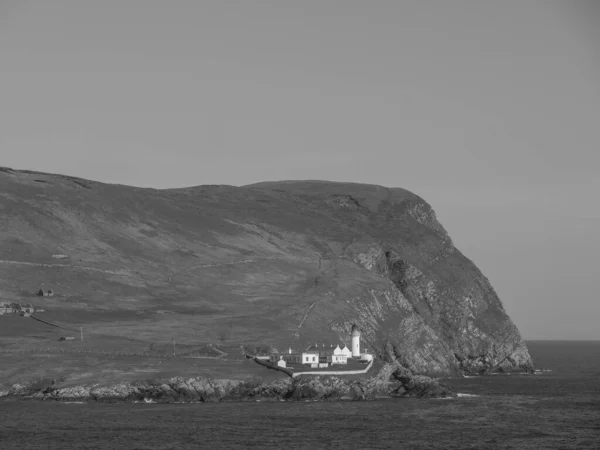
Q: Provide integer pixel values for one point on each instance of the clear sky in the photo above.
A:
(490, 110)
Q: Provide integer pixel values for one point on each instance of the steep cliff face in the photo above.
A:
(273, 264)
(447, 321)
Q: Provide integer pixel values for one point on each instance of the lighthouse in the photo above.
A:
(355, 342)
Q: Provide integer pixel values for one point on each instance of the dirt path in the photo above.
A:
(73, 266)
(306, 314)
(125, 272)
(222, 353)
(105, 353)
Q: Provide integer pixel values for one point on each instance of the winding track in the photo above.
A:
(73, 266)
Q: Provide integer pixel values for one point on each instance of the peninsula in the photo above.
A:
(155, 284)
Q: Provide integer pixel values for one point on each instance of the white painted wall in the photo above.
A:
(344, 372)
(310, 358)
(356, 346)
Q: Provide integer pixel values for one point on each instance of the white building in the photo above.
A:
(355, 342)
(339, 356)
(5, 308)
(307, 357)
(321, 355)
(310, 358)
(366, 356)
(346, 352)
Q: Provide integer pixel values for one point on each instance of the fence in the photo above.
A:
(47, 323)
(337, 372)
(270, 366)
(104, 353)
(316, 372)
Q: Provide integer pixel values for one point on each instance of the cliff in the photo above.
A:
(273, 264)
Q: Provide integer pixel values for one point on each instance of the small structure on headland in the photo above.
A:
(27, 310)
(330, 354)
(323, 356)
(281, 363)
(292, 357)
(5, 308)
(16, 308)
(365, 356)
(48, 293)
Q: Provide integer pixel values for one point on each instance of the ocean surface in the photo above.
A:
(557, 408)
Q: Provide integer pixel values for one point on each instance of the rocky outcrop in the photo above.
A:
(392, 380)
(436, 322)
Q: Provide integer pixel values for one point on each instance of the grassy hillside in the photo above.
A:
(280, 263)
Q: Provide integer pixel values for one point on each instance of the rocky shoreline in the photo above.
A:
(392, 381)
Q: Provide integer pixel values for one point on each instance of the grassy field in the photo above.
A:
(31, 351)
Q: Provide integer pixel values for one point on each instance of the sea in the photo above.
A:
(558, 407)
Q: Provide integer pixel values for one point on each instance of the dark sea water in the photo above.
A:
(559, 407)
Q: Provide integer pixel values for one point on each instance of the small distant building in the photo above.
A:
(311, 358)
(50, 293)
(366, 356)
(47, 293)
(292, 357)
(322, 356)
(66, 338)
(27, 310)
(338, 356)
(16, 308)
(331, 354)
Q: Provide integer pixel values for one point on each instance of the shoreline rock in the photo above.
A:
(392, 381)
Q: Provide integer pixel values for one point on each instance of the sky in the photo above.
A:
(489, 110)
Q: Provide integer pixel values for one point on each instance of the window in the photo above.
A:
(314, 358)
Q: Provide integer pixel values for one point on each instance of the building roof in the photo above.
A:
(286, 353)
(322, 348)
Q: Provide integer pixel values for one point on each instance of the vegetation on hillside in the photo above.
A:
(271, 265)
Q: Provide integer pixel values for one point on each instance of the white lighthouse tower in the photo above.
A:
(355, 342)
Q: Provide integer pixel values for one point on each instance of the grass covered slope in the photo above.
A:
(281, 264)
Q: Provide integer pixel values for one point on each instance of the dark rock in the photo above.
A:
(392, 379)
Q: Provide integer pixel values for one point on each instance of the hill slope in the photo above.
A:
(281, 264)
